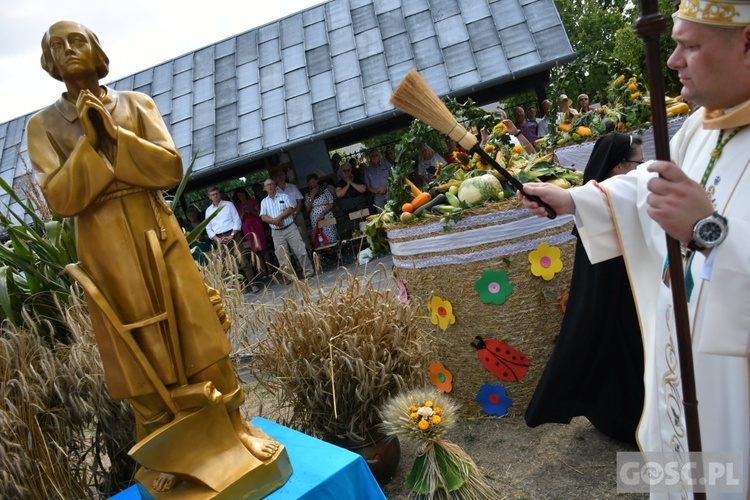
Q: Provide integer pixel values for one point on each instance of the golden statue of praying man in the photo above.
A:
(104, 157)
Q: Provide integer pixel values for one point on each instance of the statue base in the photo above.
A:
(257, 483)
(202, 449)
(322, 471)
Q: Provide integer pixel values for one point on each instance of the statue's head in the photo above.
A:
(67, 32)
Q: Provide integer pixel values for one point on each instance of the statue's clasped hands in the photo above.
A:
(95, 119)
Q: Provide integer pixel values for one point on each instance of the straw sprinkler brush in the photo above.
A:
(415, 97)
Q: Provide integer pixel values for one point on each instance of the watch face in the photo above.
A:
(710, 232)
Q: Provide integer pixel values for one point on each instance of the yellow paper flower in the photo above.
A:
(413, 408)
(633, 79)
(489, 148)
(423, 425)
(414, 415)
(438, 410)
(620, 80)
(441, 312)
(428, 404)
(635, 95)
(517, 149)
(436, 419)
(545, 261)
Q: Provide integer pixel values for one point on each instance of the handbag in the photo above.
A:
(319, 238)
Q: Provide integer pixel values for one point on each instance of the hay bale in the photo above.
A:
(431, 261)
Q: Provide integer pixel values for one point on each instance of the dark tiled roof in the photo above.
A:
(331, 68)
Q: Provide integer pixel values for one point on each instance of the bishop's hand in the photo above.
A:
(675, 201)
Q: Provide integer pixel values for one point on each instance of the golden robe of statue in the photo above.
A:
(115, 204)
(104, 156)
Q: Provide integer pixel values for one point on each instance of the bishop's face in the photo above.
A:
(71, 50)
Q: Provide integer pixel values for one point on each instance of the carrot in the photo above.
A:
(442, 188)
(415, 191)
(420, 200)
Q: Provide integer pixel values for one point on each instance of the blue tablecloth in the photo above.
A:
(321, 470)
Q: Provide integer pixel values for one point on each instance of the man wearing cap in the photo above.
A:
(701, 199)
(583, 104)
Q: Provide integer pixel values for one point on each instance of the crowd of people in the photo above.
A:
(267, 238)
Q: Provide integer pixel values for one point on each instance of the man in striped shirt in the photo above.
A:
(277, 210)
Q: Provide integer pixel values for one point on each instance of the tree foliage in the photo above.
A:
(601, 33)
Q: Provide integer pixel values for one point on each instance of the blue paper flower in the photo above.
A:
(493, 287)
(494, 399)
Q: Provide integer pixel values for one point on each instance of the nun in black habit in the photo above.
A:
(596, 367)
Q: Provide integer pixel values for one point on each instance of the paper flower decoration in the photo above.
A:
(403, 294)
(493, 287)
(494, 399)
(441, 312)
(564, 302)
(545, 261)
(441, 377)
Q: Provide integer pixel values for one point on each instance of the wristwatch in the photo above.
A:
(709, 232)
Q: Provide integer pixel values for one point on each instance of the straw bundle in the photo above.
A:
(499, 237)
(333, 356)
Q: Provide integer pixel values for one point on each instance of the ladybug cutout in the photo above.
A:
(501, 360)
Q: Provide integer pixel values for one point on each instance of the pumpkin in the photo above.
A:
(680, 108)
(584, 131)
(475, 190)
(565, 127)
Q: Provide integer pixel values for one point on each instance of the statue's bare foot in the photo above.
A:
(165, 482)
(261, 448)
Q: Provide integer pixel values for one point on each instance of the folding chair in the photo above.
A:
(358, 237)
(329, 249)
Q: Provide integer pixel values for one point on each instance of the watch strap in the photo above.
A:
(694, 246)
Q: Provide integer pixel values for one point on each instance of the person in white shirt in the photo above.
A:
(226, 229)
(700, 199)
(277, 210)
(544, 120)
(298, 200)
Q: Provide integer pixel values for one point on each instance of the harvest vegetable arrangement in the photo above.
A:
(467, 182)
(627, 108)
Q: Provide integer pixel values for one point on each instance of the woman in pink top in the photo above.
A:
(252, 227)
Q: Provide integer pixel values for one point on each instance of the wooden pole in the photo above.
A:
(649, 27)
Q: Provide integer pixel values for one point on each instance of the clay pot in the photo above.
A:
(381, 452)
